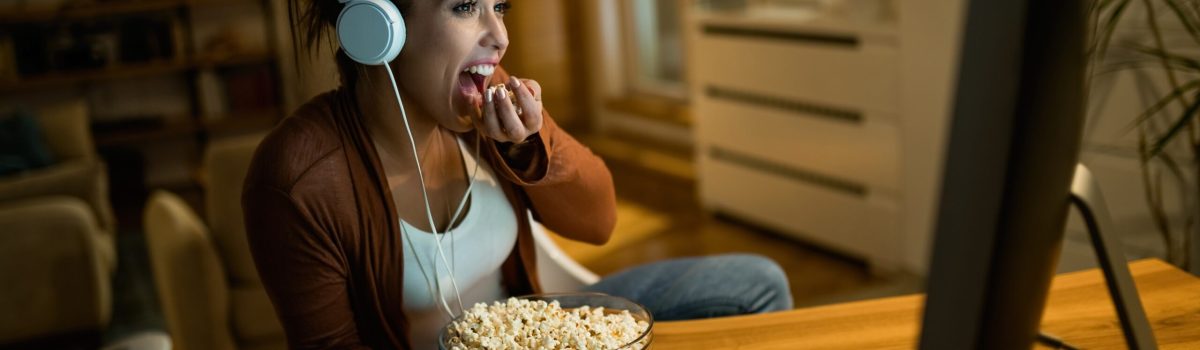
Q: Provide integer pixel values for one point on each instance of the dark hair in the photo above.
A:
(313, 23)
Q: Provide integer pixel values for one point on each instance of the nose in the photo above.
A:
(496, 35)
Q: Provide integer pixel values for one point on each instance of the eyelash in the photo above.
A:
(466, 8)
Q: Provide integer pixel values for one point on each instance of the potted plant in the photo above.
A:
(1168, 130)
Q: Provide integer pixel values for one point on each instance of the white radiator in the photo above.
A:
(796, 128)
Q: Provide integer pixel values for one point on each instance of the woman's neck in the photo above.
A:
(383, 118)
(443, 174)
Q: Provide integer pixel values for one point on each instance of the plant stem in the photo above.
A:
(1152, 21)
(1152, 202)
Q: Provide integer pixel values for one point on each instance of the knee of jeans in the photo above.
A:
(764, 272)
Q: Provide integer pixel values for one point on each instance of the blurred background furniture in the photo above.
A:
(56, 269)
(160, 77)
(814, 152)
(57, 242)
(208, 287)
(78, 171)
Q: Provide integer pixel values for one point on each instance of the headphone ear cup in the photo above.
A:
(371, 32)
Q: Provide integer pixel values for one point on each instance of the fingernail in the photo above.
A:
(503, 93)
(516, 81)
(489, 93)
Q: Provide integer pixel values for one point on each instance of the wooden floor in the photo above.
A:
(660, 218)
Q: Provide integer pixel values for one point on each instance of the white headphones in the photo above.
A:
(371, 32)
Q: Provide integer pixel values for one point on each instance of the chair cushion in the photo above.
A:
(83, 178)
(50, 263)
(66, 126)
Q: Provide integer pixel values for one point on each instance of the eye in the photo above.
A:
(503, 8)
(465, 7)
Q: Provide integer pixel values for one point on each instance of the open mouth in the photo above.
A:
(473, 82)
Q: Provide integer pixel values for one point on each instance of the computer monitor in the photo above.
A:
(1014, 142)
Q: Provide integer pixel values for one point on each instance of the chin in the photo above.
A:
(459, 125)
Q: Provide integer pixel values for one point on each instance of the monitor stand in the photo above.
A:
(1085, 195)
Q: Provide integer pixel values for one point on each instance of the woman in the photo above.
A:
(336, 220)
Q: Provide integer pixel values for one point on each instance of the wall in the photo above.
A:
(302, 79)
(930, 35)
(540, 49)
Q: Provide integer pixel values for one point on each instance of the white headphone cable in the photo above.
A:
(428, 210)
(462, 203)
(449, 232)
(421, 266)
(417, 257)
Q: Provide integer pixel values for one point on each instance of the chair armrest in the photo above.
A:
(557, 271)
(226, 163)
(56, 281)
(83, 178)
(192, 288)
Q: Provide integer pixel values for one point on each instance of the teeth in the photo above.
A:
(482, 69)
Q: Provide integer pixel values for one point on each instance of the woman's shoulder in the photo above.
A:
(295, 146)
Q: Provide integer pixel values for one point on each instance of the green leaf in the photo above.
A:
(1110, 24)
(1173, 59)
(1164, 101)
(1114, 67)
(1188, 115)
(1173, 167)
(1094, 13)
(1188, 21)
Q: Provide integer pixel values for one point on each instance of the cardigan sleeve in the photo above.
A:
(301, 272)
(569, 187)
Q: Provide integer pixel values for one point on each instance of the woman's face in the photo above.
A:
(452, 49)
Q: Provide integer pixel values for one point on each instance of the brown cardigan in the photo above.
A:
(324, 233)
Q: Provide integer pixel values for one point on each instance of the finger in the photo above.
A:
(532, 118)
(508, 118)
(534, 87)
(491, 121)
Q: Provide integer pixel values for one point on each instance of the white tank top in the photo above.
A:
(476, 249)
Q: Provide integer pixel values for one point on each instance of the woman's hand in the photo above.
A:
(512, 117)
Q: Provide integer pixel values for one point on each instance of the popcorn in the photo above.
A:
(509, 95)
(538, 325)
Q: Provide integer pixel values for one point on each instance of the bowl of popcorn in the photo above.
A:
(551, 322)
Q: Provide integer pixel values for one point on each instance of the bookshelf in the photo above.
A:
(129, 71)
(228, 84)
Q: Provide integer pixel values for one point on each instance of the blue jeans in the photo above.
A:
(703, 287)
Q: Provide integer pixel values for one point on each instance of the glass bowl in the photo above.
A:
(575, 300)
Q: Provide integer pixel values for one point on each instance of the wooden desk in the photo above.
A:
(1079, 311)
